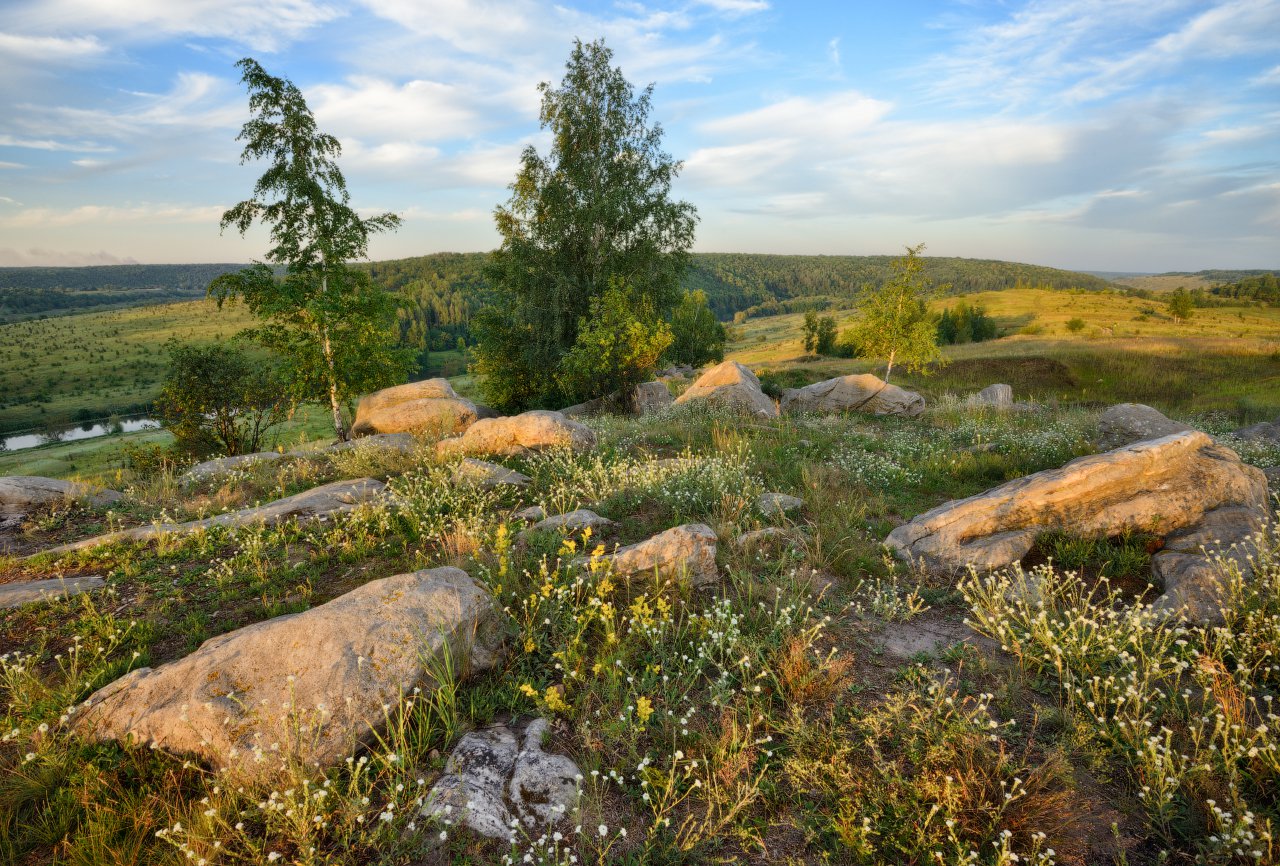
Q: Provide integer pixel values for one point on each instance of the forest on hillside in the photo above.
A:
(29, 292)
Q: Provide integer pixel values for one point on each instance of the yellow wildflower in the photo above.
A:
(644, 709)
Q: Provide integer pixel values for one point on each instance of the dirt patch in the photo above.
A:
(931, 632)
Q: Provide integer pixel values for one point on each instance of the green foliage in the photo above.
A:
(333, 324)
(1075, 325)
(617, 347)
(697, 338)
(965, 324)
(810, 330)
(895, 322)
(597, 207)
(218, 400)
(1181, 305)
(1126, 555)
(1264, 288)
(819, 334)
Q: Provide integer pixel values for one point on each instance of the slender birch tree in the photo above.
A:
(330, 323)
(895, 323)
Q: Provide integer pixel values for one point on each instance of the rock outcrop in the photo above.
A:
(30, 591)
(732, 385)
(1126, 423)
(490, 784)
(1161, 486)
(538, 430)
(308, 687)
(429, 406)
(859, 393)
(21, 493)
(778, 504)
(488, 475)
(211, 469)
(684, 551)
(327, 499)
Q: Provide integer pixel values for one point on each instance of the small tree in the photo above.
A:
(215, 399)
(597, 208)
(810, 331)
(1181, 305)
(825, 336)
(697, 337)
(618, 346)
(895, 322)
(335, 327)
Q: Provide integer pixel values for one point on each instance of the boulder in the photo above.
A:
(995, 396)
(646, 398)
(317, 503)
(649, 397)
(538, 430)
(574, 521)
(732, 385)
(405, 443)
(1160, 486)
(210, 469)
(430, 405)
(489, 784)
(688, 550)
(1133, 422)
(1267, 431)
(858, 393)
(307, 687)
(487, 475)
(778, 504)
(532, 514)
(20, 493)
(1192, 562)
(29, 591)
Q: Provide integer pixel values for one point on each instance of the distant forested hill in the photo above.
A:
(1263, 286)
(30, 292)
(443, 290)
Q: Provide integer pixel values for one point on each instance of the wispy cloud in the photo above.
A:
(41, 217)
(46, 49)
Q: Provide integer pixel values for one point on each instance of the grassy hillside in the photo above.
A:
(1174, 280)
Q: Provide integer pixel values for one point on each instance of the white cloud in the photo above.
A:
(50, 49)
(42, 217)
(50, 144)
(411, 112)
(11, 164)
(263, 25)
(736, 7)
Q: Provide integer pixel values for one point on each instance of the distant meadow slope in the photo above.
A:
(58, 366)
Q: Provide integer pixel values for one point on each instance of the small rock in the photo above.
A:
(211, 469)
(995, 396)
(1192, 561)
(1268, 431)
(29, 591)
(574, 521)
(20, 493)
(532, 514)
(684, 550)
(1127, 423)
(405, 443)
(487, 475)
(733, 385)
(778, 504)
(544, 786)
(766, 537)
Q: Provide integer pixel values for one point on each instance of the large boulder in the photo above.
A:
(733, 385)
(430, 405)
(21, 493)
(1159, 486)
(1134, 422)
(320, 502)
(687, 551)
(858, 393)
(538, 430)
(307, 687)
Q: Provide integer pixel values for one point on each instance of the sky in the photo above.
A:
(1126, 135)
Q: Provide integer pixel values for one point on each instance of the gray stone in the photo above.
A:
(308, 687)
(30, 591)
(1193, 561)
(859, 393)
(1267, 431)
(778, 504)
(996, 396)
(20, 493)
(337, 497)
(532, 514)
(574, 521)
(732, 385)
(1127, 423)
(210, 469)
(646, 398)
(405, 443)
(544, 786)
(487, 475)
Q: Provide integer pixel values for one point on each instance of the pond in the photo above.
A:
(71, 434)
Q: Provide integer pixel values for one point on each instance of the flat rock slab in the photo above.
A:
(574, 521)
(20, 493)
(307, 687)
(1127, 423)
(528, 432)
(1161, 486)
(211, 469)
(31, 591)
(491, 783)
(731, 385)
(859, 393)
(334, 498)
(488, 475)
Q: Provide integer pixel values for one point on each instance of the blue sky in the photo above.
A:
(1097, 134)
